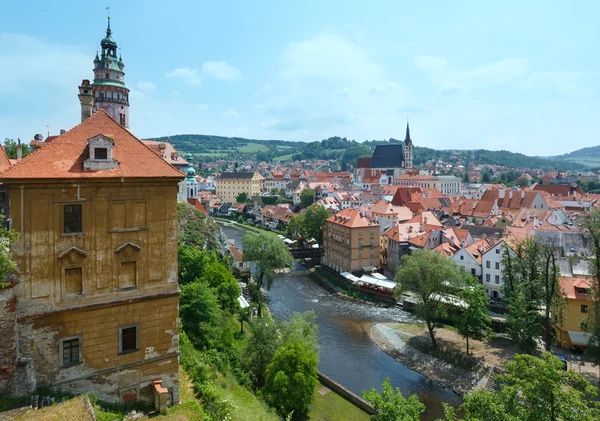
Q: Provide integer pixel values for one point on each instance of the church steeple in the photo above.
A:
(407, 140)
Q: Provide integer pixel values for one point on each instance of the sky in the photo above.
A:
(512, 75)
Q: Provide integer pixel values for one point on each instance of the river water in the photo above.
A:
(348, 355)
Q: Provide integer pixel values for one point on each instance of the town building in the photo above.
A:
(95, 305)
(167, 152)
(351, 241)
(578, 307)
(387, 162)
(446, 184)
(229, 185)
(492, 268)
(108, 91)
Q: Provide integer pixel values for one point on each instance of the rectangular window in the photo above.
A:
(359, 243)
(72, 214)
(73, 281)
(584, 308)
(497, 279)
(128, 339)
(487, 264)
(497, 251)
(497, 265)
(473, 271)
(487, 277)
(462, 257)
(100, 153)
(70, 350)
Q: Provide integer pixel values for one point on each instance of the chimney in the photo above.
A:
(522, 194)
(528, 213)
(501, 193)
(19, 151)
(62, 131)
(425, 219)
(474, 204)
(86, 99)
(510, 194)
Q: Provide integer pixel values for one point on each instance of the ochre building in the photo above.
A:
(351, 241)
(95, 304)
(231, 184)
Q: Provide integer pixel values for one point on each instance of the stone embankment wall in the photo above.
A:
(346, 394)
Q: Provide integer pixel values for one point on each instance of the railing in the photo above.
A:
(109, 99)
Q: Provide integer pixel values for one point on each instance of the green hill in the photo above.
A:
(345, 152)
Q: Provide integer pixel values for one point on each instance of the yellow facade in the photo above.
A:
(119, 271)
(230, 188)
(350, 249)
(577, 308)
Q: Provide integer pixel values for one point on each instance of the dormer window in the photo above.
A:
(100, 154)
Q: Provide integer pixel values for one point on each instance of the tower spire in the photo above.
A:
(108, 31)
(407, 139)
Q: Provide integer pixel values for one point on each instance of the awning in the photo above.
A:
(243, 302)
(579, 338)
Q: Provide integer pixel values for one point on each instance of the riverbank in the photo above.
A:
(396, 342)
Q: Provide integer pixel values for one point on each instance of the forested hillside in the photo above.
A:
(345, 152)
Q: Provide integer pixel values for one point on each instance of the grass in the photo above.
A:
(332, 407)
(284, 157)
(72, 410)
(253, 147)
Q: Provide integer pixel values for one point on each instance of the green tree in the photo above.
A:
(474, 321)
(10, 147)
(268, 253)
(591, 222)
(465, 178)
(533, 389)
(310, 223)
(241, 198)
(201, 316)
(307, 196)
(195, 228)
(192, 262)
(244, 315)
(291, 378)
(260, 349)
(433, 278)
(301, 327)
(7, 238)
(392, 405)
(217, 276)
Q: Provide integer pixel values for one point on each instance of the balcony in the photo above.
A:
(109, 99)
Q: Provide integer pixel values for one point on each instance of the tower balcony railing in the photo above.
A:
(109, 99)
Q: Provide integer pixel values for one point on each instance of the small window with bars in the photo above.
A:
(128, 339)
(71, 351)
(72, 214)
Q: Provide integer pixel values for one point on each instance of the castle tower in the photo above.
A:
(408, 149)
(192, 183)
(86, 98)
(108, 89)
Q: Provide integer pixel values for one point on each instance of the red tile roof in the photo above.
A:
(4, 161)
(352, 218)
(63, 157)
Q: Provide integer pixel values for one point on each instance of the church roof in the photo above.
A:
(63, 158)
(388, 156)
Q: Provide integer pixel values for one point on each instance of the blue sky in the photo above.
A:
(521, 76)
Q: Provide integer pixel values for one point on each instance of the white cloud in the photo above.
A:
(263, 90)
(331, 57)
(146, 87)
(452, 88)
(499, 71)
(557, 82)
(221, 70)
(430, 63)
(231, 113)
(187, 75)
(175, 93)
(202, 107)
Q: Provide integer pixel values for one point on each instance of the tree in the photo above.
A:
(310, 223)
(392, 405)
(192, 262)
(307, 196)
(201, 317)
(241, 198)
(217, 276)
(301, 327)
(465, 177)
(533, 389)
(268, 253)
(260, 349)
(244, 314)
(474, 321)
(552, 294)
(485, 177)
(432, 278)
(10, 147)
(7, 238)
(291, 378)
(591, 222)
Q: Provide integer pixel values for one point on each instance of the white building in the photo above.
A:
(492, 269)
(447, 184)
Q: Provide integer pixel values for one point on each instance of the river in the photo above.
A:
(348, 355)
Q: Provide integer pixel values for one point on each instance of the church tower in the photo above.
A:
(192, 183)
(408, 149)
(108, 90)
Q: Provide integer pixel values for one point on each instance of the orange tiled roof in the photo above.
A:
(4, 161)
(352, 218)
(569, 284)
(63, 158)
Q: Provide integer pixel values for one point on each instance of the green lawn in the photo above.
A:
(332, 407)
(284, 157)
(253, 147)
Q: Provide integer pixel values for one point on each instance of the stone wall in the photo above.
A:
(8, 336)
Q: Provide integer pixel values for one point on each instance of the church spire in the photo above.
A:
(108, 31)
(407, 140)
